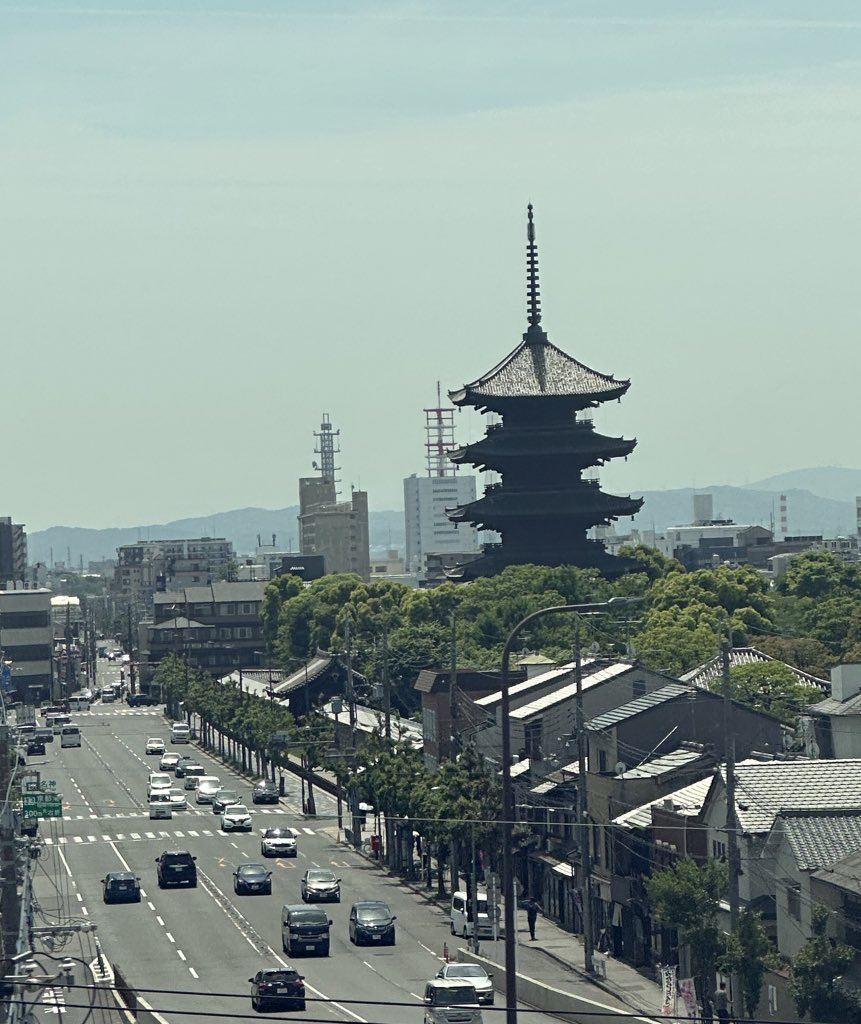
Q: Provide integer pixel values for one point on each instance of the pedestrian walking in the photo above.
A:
(720, 1004)
(532, 908)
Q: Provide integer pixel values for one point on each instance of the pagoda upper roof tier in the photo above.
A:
(587, 503)
(495, 558)
(577, 443)
(537, 369)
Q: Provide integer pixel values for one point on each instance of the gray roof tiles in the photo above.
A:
(764, 789)
(704, 675)
(649, 700)
(819, 840)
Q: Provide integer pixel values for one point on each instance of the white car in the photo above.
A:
(177, 799)
(278, 842)
(236, 818)
(476, 975)
(207, 787)
(160, 805)
(158, 780)
(168, 761)
(154, 745)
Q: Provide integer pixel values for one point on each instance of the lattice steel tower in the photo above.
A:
(327, 448)
(439, 431)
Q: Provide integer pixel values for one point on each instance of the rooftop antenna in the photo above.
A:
(439, 437)
(327, 448)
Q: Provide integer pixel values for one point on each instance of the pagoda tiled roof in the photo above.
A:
(538, 369)
(587, 501)
(577, 442)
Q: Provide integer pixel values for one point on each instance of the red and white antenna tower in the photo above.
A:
(439, 430)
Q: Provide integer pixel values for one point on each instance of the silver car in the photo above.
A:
(207, 787)
(476, 975)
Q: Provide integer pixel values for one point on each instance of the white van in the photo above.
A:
(461, 915)
(70, 736)
(451, 1001)
(180, 733)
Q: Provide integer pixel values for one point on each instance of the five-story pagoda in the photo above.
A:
(543, 508)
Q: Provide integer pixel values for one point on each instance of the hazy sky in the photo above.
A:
(219, 220)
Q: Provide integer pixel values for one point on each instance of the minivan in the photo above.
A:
(70, 736)
(180, 733)
(451, 1001)
(304, 929)
(461, 915)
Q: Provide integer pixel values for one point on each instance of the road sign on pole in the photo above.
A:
(42, 805)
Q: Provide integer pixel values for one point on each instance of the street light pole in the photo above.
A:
(508, 795)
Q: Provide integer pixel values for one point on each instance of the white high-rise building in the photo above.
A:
(428, 528)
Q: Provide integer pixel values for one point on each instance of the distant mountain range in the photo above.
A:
(819, 501)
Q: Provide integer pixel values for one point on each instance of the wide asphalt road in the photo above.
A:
(190, 952)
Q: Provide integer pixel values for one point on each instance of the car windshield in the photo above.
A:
(252, 869)
(278, 976)
(176, 858)
(454, 996)
(309, 916)
(373, 913)
(226, 794)
(238, 809)
(278, 833)
(465, 971)
(321, 876)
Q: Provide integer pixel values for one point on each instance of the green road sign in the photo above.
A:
(43, 805)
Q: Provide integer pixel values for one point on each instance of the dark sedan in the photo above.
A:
(121, 887)
(265, 792)
(252, 878)
(278, 988)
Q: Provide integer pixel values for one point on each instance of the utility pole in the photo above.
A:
(132, 651)
(353, 794)
(731, 819)
(10, 906)
(454, 731)
(583, 804)
(387, 683)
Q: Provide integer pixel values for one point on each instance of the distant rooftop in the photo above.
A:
(687, 802)
(704, 675)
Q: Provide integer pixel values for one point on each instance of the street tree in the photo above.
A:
(686, 896)
(816, 975)
(769, 686)
(747, 955)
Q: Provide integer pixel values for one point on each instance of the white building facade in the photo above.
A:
(26, 642)
(428, 529)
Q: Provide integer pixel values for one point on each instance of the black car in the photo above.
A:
(277, 988)
(121, 887)
(44, 734)
(142, 700)
(252, 878)
(372, 922)
(320, 884)
(176, 867)
(35, 746)
(265, 792)
(182, 764)
(304, 930)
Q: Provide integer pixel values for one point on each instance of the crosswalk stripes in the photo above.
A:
(105, 714)
(139, 837)
(197, 811)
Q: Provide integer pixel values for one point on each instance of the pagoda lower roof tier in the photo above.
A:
(576, 443)
(584, 502)
(589, 555)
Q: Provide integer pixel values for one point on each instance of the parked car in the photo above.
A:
(476, 975)
(372, 921)
(320, 884)
(265, 792)
(277, 988)
(252, 878)
(235, 818)
(278, 842)
(176, 867)
(121, 887)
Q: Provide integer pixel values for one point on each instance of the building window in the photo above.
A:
(246, 609)
(602, 762)
(793, 902)
(718, 849)
(532, 739)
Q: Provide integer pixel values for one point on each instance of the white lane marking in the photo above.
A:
(193, 972)
(135, 835)
(123, 861)
(170, 938)
(150, 835)
(79, 839)
(91, 839)
(192, 833)
(150, 904)
(374, 969)
(150, 1010)
(308, 831)
(180, 954)
(318, 993)
(80, 897)
(65, 863)
(179, 835)
(244, 854)
(143, 894)
(160, 920)
(417, 997)
(432, 953)
(234, 844)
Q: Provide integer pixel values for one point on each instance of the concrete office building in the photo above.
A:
(337, 530)
(13, 551)
(26, 641)
(146, 567)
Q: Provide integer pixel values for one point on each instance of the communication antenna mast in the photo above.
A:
(327, 448)
(439, 430)
(783, 518)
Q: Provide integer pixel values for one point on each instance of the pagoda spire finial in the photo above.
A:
(533, 292)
